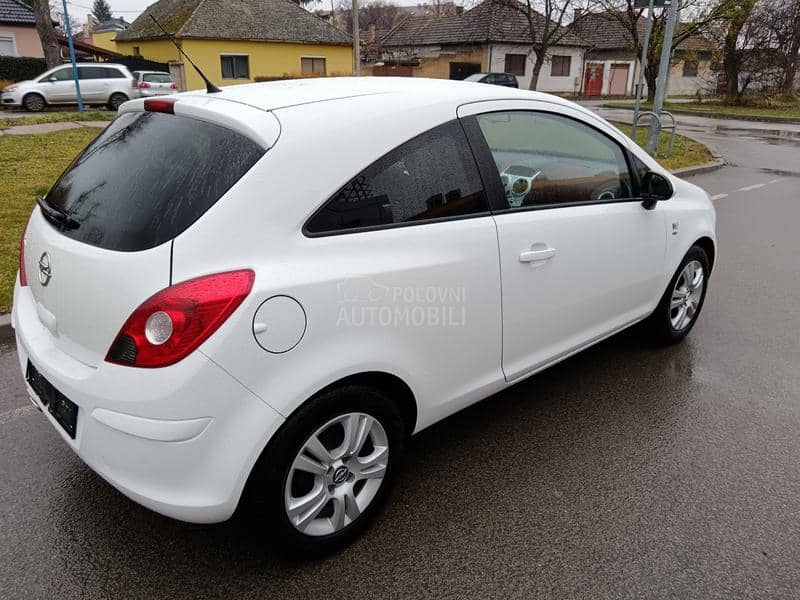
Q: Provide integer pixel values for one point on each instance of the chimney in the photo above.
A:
(371, 33)
(577, 14)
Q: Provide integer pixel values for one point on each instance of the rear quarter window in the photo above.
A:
(148, 177)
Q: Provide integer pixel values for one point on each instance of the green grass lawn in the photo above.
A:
(29, 165)
(685, 152)
(58, 117)
(788, 108)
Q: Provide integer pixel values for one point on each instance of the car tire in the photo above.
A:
(336, 510)
(680, 306)
(116, 99)
(34, 102)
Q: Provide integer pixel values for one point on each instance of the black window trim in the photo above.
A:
(498, 203)
(486, 213)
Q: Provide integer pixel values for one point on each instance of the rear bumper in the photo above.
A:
(179, 440)
(149, 93)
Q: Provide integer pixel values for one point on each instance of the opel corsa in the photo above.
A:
(261, 293)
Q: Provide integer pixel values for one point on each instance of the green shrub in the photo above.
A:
(20, 68)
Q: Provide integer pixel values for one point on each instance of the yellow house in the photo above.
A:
(237, 41)
(104, 34)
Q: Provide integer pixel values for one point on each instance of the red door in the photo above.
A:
(593, 80)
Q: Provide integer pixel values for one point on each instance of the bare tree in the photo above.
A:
(547, 20)
(784, 25)
(697, 17)
(47, 33)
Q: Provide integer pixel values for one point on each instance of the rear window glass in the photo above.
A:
(157, 78)
(148, 177)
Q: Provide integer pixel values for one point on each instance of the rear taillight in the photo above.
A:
(171, 324)
(162, 105)
(23, 277)
(134, 83)
(144, 84)
(173, 85)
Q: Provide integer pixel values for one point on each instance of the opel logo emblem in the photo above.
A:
(45, 271)
(340, 475)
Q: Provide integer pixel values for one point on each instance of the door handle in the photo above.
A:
(532, 255)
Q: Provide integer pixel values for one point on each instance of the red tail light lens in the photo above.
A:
(134, 84)
(171, 324)
(23, 277)
(174, 86)
(144, 84)
(162, 105)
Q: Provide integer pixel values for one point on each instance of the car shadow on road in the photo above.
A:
(501, 471)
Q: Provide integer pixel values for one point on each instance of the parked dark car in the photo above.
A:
(506, 79)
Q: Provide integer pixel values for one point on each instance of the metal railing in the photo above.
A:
(671, 127)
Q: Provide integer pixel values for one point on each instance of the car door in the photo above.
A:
(94, 83)
(413, 262)
(580, 256)
(58, 86)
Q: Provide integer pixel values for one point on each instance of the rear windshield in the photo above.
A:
(157, 78)
(148, 177)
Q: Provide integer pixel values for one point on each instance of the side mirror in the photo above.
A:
(655, 187)
(52, 79)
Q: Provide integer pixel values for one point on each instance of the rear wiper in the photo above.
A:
(56, 215)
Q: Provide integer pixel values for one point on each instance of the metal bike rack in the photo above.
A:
(671, 127)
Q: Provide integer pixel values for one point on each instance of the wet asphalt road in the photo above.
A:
(628, 471)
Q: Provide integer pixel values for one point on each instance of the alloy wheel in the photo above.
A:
(336, 474)
(686, 295)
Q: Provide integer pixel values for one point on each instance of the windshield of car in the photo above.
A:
(157, 78)
(147, 178)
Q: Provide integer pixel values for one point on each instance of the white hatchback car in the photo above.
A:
(261, 293)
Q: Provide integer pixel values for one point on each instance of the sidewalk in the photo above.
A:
(50, 127)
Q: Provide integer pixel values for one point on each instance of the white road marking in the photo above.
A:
(774, 180)
(16, 413)
(719, 196)
(751, 187)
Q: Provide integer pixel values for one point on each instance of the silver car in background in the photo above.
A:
(101, 84)
(153, 83)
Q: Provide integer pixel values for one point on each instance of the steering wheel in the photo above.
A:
(517, 181)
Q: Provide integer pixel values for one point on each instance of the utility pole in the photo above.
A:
(640, 86)
(663, 77)
(356, 42)
(72, 56)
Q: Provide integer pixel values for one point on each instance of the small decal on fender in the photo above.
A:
(675, 228)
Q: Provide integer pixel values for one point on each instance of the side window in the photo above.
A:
(430, 177)
(112, 73)
(91, 73)
(640, 168)
(549, 159)
(59, 74)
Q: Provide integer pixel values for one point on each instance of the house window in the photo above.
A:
(560, 66)
(690, 68)
(8, 46)
(515, 64)
(310, 65)
(235, 66)
(137, 51)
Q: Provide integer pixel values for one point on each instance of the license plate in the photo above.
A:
(64, 410)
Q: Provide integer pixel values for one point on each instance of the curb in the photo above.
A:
(699, 169)
(722, 116)
(6, 331)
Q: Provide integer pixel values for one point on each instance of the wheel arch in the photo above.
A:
(391, 385)
(707, 244)
(33, 93)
